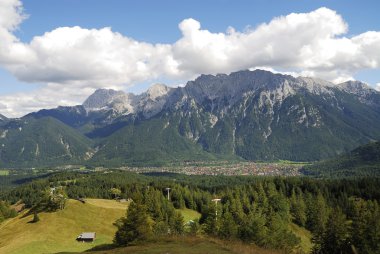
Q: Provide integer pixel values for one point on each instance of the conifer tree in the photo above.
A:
(136, 226)
(317, 215)
(298, 208)
(336, 238)
(211, 225)
(254, 229)
(365, 225)
(228, 228)
(176, 223)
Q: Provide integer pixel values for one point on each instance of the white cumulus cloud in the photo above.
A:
(71, 62)
(74, 54)
(377, 87)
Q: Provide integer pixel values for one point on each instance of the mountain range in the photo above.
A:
(251, 115)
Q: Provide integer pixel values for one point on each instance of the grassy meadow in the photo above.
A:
(4, 172)
(189, 214)
(56, 232)
(305, 236)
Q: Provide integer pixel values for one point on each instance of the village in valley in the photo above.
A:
(248, 168)
(207, 168)
(211, 168)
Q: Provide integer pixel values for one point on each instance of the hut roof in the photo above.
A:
(87, 235)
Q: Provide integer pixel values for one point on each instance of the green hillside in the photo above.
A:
(57, 232)
(362, 161)
(152, 142)
(30, 142)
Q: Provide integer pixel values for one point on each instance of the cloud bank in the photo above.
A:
(71, 62)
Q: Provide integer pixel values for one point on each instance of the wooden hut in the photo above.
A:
(86, 237)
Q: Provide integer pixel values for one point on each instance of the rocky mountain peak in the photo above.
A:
(220, 91)
(315, 85)
(157, 90)
(355, 87)
(238, 82)
(149, 102)
(101, 98)
(3, 118)
(234, 86)
(362, 91)
(153, 100)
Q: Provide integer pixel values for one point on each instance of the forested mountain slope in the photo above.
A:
(362, 161)
(30, 142)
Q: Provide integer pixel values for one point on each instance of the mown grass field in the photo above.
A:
(56, 232)
(189, 214)
(304, 235)
(4, 172)
(107, 203)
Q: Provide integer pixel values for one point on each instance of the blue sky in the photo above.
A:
(157, 22)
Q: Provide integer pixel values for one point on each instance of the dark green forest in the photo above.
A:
(342, 214)
(363, 161)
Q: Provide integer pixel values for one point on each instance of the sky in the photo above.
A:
(59, 52)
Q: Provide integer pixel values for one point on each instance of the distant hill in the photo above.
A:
(362, 161)
(30, 142)
(153, 142)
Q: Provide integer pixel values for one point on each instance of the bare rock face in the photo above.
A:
(148, 103)
(221, 92)
(355, 87)
(101, 98)
(152, 101)
(157, 91)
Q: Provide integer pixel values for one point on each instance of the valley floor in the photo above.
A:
(227, 168)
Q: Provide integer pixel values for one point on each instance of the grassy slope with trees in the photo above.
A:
(260, 211)
(56, 231)
(148, 143)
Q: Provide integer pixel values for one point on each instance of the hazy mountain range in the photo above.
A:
(253, 115)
